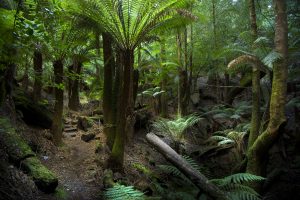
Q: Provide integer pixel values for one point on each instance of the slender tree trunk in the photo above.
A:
(255, 118)
(74, 102)
(108, 90)
(163, 97)
(258, 151)
(126, 117)
(56, 128)
(38, 71)
(182, 74)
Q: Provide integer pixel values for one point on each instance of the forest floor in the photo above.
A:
(75, 165)
(80, 169)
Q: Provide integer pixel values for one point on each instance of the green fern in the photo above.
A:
(121, 192)
(233, 185)
(238, 178)
(175, 128)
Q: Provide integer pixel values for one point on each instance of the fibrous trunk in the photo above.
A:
(126, 115)
(74, 102)
(56, 128)
(109, 92)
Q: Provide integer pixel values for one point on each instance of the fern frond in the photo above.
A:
(238, 178)
(121, 192)
(271, 58)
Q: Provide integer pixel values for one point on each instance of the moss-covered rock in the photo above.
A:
(44, 179)
(16, 147)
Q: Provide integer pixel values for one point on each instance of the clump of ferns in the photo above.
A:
(236, 186)
(178, 185)
(175, 128)
(230, 138)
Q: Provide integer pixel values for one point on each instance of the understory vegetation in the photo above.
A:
(150, 99)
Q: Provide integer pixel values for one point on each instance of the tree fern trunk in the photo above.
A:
(126, 111)
(56, 128)
(108, 90)
(74, 102)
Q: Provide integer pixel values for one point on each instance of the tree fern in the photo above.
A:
(175, 128)
(121, 192)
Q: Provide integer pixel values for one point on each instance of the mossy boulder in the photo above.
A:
(15, 146)
(44, 179)
(34, 113)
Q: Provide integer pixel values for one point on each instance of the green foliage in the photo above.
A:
(237, 112)
(235, 186)
(175, 128)
(121, 192)
(152, 92)
(129, 22)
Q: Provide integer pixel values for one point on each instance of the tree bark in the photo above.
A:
(255, 116)
(56, 128)
(126, 117)
(108, 97)
(258, 151)
(163, 97)
(74, 101)
(38, 71)
(195, 176)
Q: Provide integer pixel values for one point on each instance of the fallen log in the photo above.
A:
(195, 176)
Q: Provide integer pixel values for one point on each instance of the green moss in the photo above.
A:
(43, 177)
(17, 148)
(60, 194)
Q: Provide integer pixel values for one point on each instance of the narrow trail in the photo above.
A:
(74, 164)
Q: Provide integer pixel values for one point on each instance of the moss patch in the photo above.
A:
(43, 177)
(16, 147)
(61, 194)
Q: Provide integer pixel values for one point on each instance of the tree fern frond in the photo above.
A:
(121, 192)
(238, 178)
(248, 59)
(271, 58)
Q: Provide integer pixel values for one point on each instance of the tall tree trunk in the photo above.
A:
(38, 71)
(258, 151)
(108, 96)
(56, 128)
(163, 97)
(255, 118)
(182, 74)
(74, 101)
(126, 117)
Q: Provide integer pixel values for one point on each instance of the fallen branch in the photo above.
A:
(196, 177)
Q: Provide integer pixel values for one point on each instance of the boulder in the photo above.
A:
(88, 137)
(33, 113)
(44, 179)
(15, 146)
(84, 123)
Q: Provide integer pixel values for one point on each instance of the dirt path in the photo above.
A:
(74, 164)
